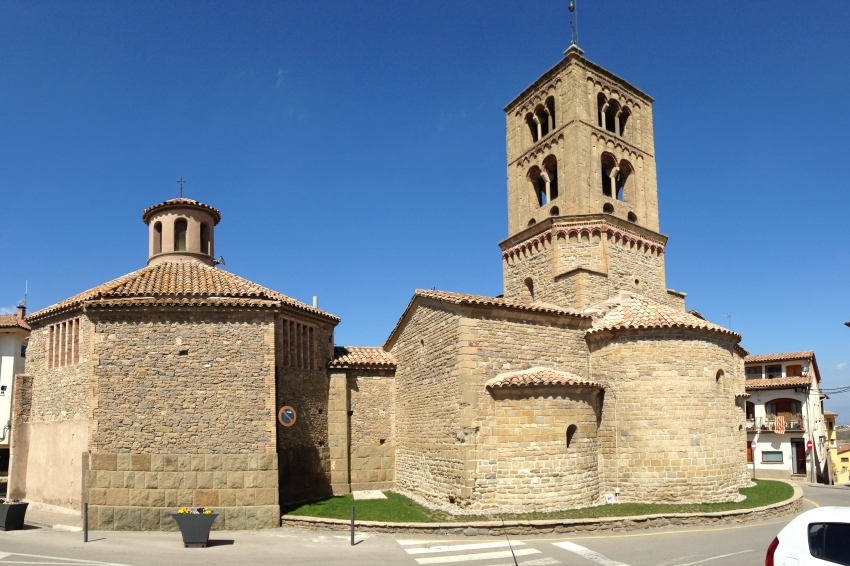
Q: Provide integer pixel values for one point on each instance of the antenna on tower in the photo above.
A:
(574, 22)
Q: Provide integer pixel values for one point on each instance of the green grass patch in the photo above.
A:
(395, 508)
(398, 508)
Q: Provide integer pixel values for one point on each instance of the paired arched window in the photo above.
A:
(617, 181)
(205, 239)
(611, 115)
(541, 122)
(544, 181)
(180, 229)
(157, 238)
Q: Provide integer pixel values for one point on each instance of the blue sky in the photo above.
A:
(356, 149)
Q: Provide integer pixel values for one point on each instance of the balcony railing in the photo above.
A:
(762, 424)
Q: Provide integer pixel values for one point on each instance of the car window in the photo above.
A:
(830, 542)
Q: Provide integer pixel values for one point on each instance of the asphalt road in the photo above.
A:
(743, 544)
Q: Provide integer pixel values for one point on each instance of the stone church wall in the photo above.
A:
(51, 423)
(303, 448)
(670, 428)
(429, 457)
(525, 463)
(372, 448)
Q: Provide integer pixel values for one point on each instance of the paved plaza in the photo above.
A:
(725, 545)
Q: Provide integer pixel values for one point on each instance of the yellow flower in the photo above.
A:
(182, 511)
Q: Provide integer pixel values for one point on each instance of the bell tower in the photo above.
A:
(582, 190)
(181, 229)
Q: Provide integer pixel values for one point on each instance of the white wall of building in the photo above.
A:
(11, 364)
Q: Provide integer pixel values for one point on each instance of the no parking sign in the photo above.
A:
(286, 416)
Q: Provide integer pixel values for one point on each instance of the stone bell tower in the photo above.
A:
(181, 229)
(582, 191)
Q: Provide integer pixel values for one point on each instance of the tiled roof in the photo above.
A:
(362, 357)
(787, 356)
(182, 202)
(538, 377)
(480, 300)
(12, 321)
(167, 282)
(777, 383)
(630, 310)
(843, 448)
(830, 413)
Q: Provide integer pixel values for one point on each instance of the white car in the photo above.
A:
(814, 538)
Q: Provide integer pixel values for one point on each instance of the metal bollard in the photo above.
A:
(85, 522)
(352, 525)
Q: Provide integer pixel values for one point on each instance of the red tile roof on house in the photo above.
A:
(539, 377)
(777, 383)
(787, 356)
(362, 357)
(632, 311)
(176, 202)
(12, 321)
(167, 282)
(843, 448)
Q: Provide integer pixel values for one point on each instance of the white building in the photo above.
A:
(785, 394)
(14, 334)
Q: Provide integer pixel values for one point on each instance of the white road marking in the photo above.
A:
(479, 556)
(58, 560)
(715, 558)
(416, 541)
(534, 562)
(454, 547)
(589, 554)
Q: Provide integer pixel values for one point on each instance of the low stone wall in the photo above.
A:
(138, 492)
(559, 526)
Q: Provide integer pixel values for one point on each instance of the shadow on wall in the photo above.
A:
(303, 475)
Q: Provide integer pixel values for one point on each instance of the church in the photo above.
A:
(181, 384)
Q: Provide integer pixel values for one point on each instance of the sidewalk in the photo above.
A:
(43, 516)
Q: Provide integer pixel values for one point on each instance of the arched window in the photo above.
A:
(601, 107)
(611, 113)
(550, 107)
(205, 239)
(543, 120)
(625, 114)
(718, 377)
(555, 211)
(180, 227)
(157, 238)
(550, 170)
(538, 186)
(632, 217)
(529, 285)
(571, 432)
(609, 174)
(532, 127)
(624, 181)
(608, 208)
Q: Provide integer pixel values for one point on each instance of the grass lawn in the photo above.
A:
(398, 508)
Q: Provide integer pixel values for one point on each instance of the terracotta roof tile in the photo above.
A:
(539, 377)
(182, 202)
(168, 281)
(830, 413)
(362, 357)
(630, 310)
(843, 448)
(480, 300)
(777, 383)
(12, 321)
(804, 355)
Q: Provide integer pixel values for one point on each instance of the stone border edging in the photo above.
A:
(498, 528)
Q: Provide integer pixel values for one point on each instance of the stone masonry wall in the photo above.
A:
(136, 492)
(670, 430)
(372, 449)
(196, 382)
(303, 447)
(526, 464)
(429, 460)
(579, 270)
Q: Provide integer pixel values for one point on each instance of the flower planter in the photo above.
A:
(195, 528)
(12, 516)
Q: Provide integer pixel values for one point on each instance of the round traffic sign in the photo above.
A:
(753, 445)
(286, 416)
(809, 445)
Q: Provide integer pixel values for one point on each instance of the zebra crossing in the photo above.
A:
(495, 553)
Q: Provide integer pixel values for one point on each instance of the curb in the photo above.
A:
(499, 528)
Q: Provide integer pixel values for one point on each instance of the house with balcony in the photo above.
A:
(785, 412)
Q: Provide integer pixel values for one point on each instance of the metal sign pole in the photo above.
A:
(352, 525)
(85, 522)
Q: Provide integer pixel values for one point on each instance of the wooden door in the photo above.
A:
(749, 452)
(800, 457)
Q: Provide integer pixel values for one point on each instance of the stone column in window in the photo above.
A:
(617, 123)
(545, 176)
(539, 127)
(549, 121)
(602, 115)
